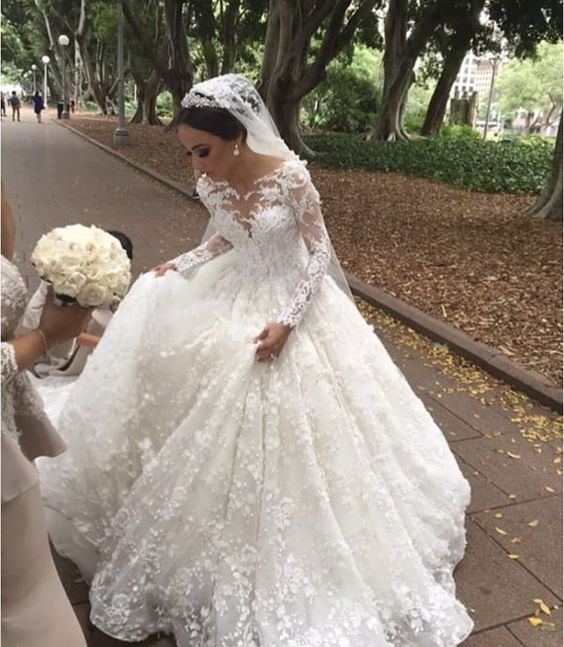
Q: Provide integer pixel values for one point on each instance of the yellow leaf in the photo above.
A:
(498, 515)
(533, 620)
(513, 455)
(511, 556)
(544, 608)
(512, 496)
(533, 524)
(548, 488)
(500, 530)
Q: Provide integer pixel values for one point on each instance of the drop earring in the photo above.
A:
(236, 150)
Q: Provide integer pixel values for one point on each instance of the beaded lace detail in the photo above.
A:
(276, 230)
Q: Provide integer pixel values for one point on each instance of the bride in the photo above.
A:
(246, 465)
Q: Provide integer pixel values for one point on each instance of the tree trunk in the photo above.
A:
(174, 66)
(400, 56)
(549, 205)
(287, 75)
(439, 101)
(285, 110)
(230, 36)
(147, 93)
(460, 44)
(389, 126)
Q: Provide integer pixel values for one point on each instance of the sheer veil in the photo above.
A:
(237, 95)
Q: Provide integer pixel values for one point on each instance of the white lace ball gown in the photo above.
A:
(311, 502)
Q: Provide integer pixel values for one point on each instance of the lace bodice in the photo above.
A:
(276, 232)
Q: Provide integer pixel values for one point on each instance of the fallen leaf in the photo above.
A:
(533, 524)
(533, 620)
(500, 531)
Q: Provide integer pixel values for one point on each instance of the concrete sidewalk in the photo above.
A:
(53, 178)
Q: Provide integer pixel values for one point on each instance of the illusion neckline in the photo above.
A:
(270, 175)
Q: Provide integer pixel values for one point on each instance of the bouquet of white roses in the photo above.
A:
(85, 265)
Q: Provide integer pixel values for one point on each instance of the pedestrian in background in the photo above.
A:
(16, 105)
(38, 106)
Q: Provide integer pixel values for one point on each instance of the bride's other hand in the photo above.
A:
(163, 268)
(272, 340)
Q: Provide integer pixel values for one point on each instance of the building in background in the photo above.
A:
(475, 75)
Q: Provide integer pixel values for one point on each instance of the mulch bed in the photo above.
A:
(467, 258)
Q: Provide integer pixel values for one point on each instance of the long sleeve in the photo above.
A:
(305, 201)
(213, 247)
(9, 363)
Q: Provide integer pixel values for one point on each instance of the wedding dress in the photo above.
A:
(307, 502)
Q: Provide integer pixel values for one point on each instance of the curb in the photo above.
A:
(487, 357)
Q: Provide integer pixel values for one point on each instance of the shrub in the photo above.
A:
(471, 163)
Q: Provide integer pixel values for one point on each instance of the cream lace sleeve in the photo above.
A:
(304, 198)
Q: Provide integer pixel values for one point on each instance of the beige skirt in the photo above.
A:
(35, 609)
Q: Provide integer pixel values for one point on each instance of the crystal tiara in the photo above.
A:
(198, 100)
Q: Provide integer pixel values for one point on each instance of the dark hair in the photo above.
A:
(125, 242)
(216, 121)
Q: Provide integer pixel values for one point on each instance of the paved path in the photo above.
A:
(53, 177)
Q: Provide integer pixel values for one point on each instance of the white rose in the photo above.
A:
(123, 286)
(93, 295)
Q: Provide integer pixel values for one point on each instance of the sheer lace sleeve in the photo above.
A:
(213, 247)
(304, 198)
(9, 363)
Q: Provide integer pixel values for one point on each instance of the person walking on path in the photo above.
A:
(37, 105)
(2, 105)
(16, 105)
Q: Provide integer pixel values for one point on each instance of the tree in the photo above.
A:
(171, 59)
(223, 31)
(291, 66)
(534, 85)
(458, 45)
(347, 100)
(400, 55)
(549, 205)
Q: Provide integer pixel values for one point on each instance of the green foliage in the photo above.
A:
(417, 102)
(164, 104)
(532, 84)
(467, 162)
(458, 132)
(347, 101)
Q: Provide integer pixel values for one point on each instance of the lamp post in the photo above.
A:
(121, 134)
(45, 60)
(34, 69)
(494, 61)
(63, 41)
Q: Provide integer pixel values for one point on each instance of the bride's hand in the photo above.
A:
(163, 268)
(272, 340)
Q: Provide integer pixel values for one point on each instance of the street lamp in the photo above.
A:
(121, 134)
(63, 42)
(34, 69)
(494, 62)
(45, 60)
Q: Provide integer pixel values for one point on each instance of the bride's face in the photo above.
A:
(211, 154)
